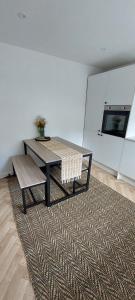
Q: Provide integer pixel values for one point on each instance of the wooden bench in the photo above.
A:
(28, 175)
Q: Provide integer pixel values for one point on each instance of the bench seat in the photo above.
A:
(28, 174)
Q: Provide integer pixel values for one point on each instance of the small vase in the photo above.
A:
(41, 131)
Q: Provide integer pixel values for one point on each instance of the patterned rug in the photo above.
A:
(82, 248)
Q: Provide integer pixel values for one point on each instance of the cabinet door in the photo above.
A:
(107, 149)
(127, 165)
(121, 86)
(96, 93)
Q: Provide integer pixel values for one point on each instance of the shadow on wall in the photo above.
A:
(6, 160)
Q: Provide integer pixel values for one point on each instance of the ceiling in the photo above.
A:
(95, 32)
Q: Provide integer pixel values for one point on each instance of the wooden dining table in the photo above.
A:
(50, 159)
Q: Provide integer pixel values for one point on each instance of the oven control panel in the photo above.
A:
(117, 107)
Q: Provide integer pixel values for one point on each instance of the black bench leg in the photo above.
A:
(47, 190)
(24, 202)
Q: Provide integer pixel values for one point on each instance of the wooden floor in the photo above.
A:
(14, 280)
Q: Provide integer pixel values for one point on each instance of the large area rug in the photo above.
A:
(82, 248)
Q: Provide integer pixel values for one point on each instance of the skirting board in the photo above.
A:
(109, 170)
(126, 179)
(115, 173)
(3, 175)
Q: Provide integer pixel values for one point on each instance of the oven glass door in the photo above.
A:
(115, 122)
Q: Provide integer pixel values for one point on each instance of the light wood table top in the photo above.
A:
(80, 149)
(47, 155)
(42, 152)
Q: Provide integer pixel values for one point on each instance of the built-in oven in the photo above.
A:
(115, 119)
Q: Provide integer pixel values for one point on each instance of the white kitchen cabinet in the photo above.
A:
(107, 149)
(115, 87)
(96, 94)
(121, 86)
(127, 164)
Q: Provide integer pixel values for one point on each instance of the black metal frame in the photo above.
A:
(47, 171)
(23, 190)
(35, 202)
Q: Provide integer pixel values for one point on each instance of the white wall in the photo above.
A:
(34, 84)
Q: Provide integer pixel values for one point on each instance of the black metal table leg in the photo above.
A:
(24, 202)
(25, 148)
(13, 170)
(47, 190)
(89, 169)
